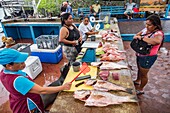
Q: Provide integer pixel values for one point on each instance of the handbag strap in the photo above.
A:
(149, 33)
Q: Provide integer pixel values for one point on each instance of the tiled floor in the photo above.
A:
(157, 92)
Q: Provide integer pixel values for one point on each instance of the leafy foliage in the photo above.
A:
(50, 6)
(53, 6)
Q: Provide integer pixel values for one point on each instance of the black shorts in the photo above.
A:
(146, 61)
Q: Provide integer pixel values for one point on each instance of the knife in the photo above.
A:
(77, 85)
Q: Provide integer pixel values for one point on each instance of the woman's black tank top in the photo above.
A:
(73, 35)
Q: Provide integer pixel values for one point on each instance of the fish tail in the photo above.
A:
(133, 99)
(129, 90)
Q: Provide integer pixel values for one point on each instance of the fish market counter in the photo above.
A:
(113, 94)
(31, 27)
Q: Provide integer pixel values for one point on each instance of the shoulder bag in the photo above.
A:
(141, 46)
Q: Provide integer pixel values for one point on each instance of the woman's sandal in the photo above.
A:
(136, 83)
(139, 92)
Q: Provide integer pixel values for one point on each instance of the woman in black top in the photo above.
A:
(70, 36)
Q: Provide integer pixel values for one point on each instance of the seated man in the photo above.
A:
(129, 9)
(85, 29)
(92, 12)
(96, 7)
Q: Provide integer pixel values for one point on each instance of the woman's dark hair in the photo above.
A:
(155, 20)
(12, 63)
(64, 17)
(86, 17)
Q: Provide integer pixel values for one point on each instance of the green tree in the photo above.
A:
(50, 6)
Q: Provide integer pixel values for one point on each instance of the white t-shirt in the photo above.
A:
(96, 7)
(84, 29)
(129, 6)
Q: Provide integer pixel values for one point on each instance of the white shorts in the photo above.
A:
(129, 11)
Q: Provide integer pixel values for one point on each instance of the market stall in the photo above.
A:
(111, 75)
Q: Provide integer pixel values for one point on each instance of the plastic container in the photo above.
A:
(47, 55)
(22, 47)
(105, 16)
(47, 41)
(76, 66)
(33, 66)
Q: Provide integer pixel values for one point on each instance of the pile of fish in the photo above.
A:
(111, 53)
(109, 35)
(100, 98)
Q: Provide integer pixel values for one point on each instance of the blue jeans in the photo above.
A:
(146, 61)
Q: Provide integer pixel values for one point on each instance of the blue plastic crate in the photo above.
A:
(47, 41)
(46, 55)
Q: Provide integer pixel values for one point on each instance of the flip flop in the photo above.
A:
(139, 92)
(136, 83)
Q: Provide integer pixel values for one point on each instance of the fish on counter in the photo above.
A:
(82, 94)
(111, 57)
(90, 82)
(101, 99)
(112, 65)
(96, 64)
(102, 85)
(112, 53)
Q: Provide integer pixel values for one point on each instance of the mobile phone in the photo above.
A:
(83, 77)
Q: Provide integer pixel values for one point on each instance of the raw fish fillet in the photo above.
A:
(104, 75)
(96, 63)
(106, 86)
(90, 82)
(115, 76)
(82, 94)
(112, 65)
(99, 98)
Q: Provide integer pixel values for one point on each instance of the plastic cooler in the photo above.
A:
(22, 47)
(47, 55)
(33, 66)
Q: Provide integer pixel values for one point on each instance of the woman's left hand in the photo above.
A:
(137, 37)
(80, 39)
